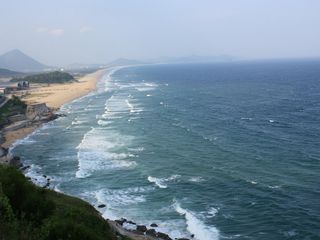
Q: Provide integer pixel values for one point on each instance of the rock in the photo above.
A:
(182, 239)
(163, 236)
(141, 228)
(15, 161)
(3, 152)
(153, 225)
(2, 138)
(45, 176)
(192, 235)
(101, 206)
(120, 221)
(151, 232)
(130, 222)
(25, 168)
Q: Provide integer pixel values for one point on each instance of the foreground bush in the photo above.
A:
(31, 212)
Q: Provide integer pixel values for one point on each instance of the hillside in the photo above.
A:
(16, 60)
(50, 77)
(30, 212)
(8, 73)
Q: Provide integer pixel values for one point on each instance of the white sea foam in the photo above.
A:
(129, 226)
(138, 149)
(103, 151)
(252, 182)
(161, 182)
(246, 118)
(271, 120)
(213, 211)
(119, 104)
(77, 122)
(109, 85)
(116, 199)
(157, 181)
(104, 123)
(34, 172)
(144, 87)
(196, 179)
(174, 227)
(196, 226)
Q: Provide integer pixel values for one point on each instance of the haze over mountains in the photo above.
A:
(15, 60)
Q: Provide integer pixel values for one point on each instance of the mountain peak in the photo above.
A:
(18, 61)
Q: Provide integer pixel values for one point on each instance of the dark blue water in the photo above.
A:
(221, 151)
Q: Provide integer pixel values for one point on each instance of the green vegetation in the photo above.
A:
(50, 77)
(30, 212)
(13, 107)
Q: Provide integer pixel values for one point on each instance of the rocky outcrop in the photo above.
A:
(9, 159)
(151, 232)
(141, 228)
(37, 111)
(163, 236)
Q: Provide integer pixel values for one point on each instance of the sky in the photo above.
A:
(59, 32)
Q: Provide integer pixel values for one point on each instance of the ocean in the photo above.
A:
(218, 151)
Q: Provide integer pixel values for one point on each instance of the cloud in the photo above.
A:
(84, 29)
(56, 32)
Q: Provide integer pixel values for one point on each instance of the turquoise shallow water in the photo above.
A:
(221, 151)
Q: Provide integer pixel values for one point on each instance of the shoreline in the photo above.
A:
(54, 96)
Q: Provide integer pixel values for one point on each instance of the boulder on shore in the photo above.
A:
(153, 225)
(121, 221)
(151, 232)
(3, 151)
(163, 236)
(141, 228)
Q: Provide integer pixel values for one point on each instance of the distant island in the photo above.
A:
(50, 77)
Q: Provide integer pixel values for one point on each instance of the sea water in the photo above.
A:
(218, 151)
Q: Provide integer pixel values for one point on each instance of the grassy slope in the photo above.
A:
(31, 212)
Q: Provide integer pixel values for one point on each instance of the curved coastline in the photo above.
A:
(65, 94)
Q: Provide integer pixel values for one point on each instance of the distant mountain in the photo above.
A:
(18, 61)
(124, 62)
(8, 73)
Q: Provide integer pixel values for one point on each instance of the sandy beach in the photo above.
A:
(54, 96)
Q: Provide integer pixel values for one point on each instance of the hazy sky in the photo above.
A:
(97, 31)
